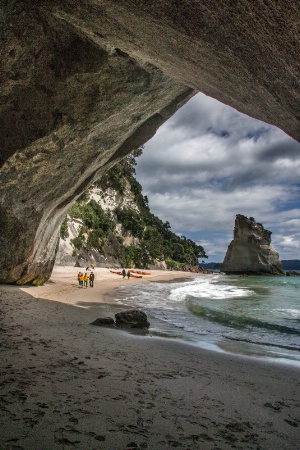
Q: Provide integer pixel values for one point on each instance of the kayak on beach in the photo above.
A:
(134, 275)
(140, 272)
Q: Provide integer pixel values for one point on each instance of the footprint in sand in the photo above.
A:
(277, 406)
(131, 446)
(293, 422)
(65, 441)
(73, 420)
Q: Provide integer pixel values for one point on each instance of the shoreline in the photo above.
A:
(69, 384)
(61, 285)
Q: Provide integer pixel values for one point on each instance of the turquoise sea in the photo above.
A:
(250, 316)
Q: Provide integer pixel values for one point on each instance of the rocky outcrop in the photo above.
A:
(84, 83)
(113, 251)
(103, 321)
(251, 252)
(132, 319)
(125, 319)
(292, 273)
(70, 110)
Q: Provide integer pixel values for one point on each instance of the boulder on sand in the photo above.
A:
(132, 319)
(103, 321)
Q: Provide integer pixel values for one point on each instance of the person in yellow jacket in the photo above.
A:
(86, 280)
(81, 279)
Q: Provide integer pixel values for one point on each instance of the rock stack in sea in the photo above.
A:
(251, 252)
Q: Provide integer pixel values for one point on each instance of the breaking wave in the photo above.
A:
(235, 321)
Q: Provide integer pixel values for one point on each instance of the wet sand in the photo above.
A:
(67, 384)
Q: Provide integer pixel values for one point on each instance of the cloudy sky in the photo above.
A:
(209, 163)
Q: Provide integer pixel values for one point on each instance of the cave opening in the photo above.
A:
(209, 162)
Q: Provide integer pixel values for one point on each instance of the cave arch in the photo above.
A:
(82, 84)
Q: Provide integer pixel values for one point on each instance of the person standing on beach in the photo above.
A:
(78, 277)
(92, 277)
(86, 279)
(81, 279)
(128, 274)
(124, 273)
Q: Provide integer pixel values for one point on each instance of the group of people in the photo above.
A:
(84, 279)
(124, 273)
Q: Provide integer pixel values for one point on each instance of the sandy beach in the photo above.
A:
(68, 384)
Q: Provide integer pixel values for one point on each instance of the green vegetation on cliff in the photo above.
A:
(153, 238)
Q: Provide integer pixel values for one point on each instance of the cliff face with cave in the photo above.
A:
(84, 83)
(251, 252)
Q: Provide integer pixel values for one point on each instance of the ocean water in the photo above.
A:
(250, 316)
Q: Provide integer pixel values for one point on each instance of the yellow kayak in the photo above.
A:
(140, 272)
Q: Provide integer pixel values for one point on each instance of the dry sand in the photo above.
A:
(67, 384)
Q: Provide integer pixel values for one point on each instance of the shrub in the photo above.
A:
(130, 220)
(132, 256)
(64, 229)
(95, 240)
(171, 263)
(78, 242)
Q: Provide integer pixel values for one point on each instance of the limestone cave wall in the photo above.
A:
(84, 83)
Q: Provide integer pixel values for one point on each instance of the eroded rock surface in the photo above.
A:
(250, 251)
(132, 319)
(125, 319)
(84, 83)
(103, 321)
